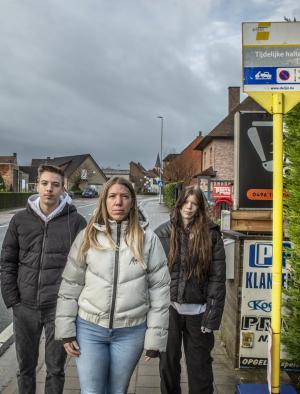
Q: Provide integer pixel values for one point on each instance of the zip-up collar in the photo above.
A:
(34, 204)
(116, 274)
(113, 225)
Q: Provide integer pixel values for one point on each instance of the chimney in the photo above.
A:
(200, 133)
(14, 154)
(233, 97)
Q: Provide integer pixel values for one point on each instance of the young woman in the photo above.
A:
(196, 261)
(114, 297)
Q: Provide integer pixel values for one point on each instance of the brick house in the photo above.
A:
(168, 166)
(142, 179)
(185, 165)
(14, 178)
(80, 171)
(136, 175)
(217, 147)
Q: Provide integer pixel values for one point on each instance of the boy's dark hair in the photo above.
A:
(48, 167)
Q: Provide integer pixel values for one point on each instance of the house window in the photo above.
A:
(211, 156)
(204, 160)
(83, 173)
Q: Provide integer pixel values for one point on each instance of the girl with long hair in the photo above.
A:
(196, 261)
(114, 296)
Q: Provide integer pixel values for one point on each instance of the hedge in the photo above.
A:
(13, 200)
(170, 193)
(291, 337)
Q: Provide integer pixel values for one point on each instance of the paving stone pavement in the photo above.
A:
(145, 379)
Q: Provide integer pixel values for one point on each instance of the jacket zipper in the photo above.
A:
(116, 273)
(41, 262)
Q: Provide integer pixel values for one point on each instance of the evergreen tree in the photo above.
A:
(291, 338)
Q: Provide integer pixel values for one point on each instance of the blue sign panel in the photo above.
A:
(260, 254)
(259, 75)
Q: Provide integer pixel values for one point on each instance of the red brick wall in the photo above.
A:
(224, 157)
(136, 176)
(219, 155)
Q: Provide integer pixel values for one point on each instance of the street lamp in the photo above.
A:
(161, 159)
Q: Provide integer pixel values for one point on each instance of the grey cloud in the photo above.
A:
(91, 76)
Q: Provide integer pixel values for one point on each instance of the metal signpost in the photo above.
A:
(161, 158)
(271, 76)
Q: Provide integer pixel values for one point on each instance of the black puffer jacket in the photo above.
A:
(212, 290)
(34, 255)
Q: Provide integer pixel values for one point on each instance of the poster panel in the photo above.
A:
(254, 157)
(256, 305)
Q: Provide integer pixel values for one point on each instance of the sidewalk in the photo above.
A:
(145, 379)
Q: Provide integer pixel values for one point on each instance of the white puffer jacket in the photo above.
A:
(113, 290)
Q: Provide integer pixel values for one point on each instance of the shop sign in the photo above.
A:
(256, 305)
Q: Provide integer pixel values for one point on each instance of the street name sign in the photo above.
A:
(271, 56)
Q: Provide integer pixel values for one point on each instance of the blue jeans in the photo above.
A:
(107, 357)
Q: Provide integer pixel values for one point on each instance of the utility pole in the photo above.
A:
(161, 158)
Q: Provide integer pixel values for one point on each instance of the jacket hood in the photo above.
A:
(143, 218)
(65, 206)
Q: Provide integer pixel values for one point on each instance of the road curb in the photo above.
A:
(6, 338)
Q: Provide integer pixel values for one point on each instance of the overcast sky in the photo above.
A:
(92, 76)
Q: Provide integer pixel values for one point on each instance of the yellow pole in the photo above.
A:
(277, 237)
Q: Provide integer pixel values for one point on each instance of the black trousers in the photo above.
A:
(28, 326)
(197, 348)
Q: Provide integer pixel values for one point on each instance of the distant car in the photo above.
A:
(89, 193)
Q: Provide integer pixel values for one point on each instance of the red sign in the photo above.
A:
(221, 191)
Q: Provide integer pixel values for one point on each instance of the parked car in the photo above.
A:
(89, 193)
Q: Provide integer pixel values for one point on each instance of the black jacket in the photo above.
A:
(34, 255)
(189, 291)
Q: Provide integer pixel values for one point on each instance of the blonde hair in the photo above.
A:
(134, 233)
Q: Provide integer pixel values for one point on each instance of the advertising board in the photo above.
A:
(222, 191)
(253, 139)
(256, 305)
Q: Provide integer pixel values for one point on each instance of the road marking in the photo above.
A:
(87, 205)
(6, 334)
(3, 225)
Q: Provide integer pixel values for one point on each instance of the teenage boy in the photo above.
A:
(34, 254)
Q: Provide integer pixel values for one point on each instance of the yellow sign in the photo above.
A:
(271, 62)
